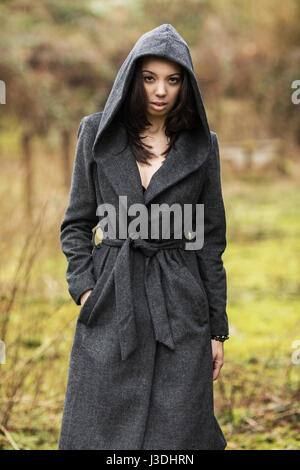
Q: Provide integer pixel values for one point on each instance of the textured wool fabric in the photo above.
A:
(141, 366)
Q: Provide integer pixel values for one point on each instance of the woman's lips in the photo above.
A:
(158, 107)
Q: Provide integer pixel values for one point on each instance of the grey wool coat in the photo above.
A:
(141, 367)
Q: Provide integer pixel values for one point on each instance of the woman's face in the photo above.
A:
(162, 81)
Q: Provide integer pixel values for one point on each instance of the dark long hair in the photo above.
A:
(132, 114)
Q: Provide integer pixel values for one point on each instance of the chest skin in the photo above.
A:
(159, 145)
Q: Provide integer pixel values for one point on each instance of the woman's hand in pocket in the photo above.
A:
(84, 297)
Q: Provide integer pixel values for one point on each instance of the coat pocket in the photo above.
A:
(87, 307)
(199, 282)
(196, 280)
(198, 291)
(99, 260)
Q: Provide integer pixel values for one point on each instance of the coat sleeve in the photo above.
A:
(210, 261)
(80, 217)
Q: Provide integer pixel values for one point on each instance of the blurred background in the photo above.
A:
(58, 61)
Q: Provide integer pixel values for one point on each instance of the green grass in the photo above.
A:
(256, 401)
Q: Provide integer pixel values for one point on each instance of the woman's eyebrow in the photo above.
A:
(149, 71)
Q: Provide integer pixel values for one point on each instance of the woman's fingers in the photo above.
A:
(84, 297)
(218, 357)
(218, 364)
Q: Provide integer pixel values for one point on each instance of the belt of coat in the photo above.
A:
(126, 324)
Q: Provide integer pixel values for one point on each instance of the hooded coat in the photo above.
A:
(141, 367)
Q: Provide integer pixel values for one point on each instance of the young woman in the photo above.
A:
(149, 336)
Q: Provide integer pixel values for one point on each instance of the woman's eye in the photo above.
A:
(174, 80)
(147, 77)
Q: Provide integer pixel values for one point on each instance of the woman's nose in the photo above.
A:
(161, 89)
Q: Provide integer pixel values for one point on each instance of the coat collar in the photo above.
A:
(121, 169)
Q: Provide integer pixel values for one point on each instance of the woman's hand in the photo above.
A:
(218, 356)
(85, 296)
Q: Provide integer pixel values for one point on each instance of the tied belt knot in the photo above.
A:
(150, 249)
(122, 270)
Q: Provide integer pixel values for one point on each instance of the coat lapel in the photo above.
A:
(187, 156)
(190, 151)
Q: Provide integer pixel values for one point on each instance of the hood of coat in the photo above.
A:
(163, 41)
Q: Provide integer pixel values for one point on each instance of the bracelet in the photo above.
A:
(221, 338)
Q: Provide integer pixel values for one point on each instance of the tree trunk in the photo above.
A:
(66, 145)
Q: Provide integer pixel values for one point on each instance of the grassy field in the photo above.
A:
(256, 397)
